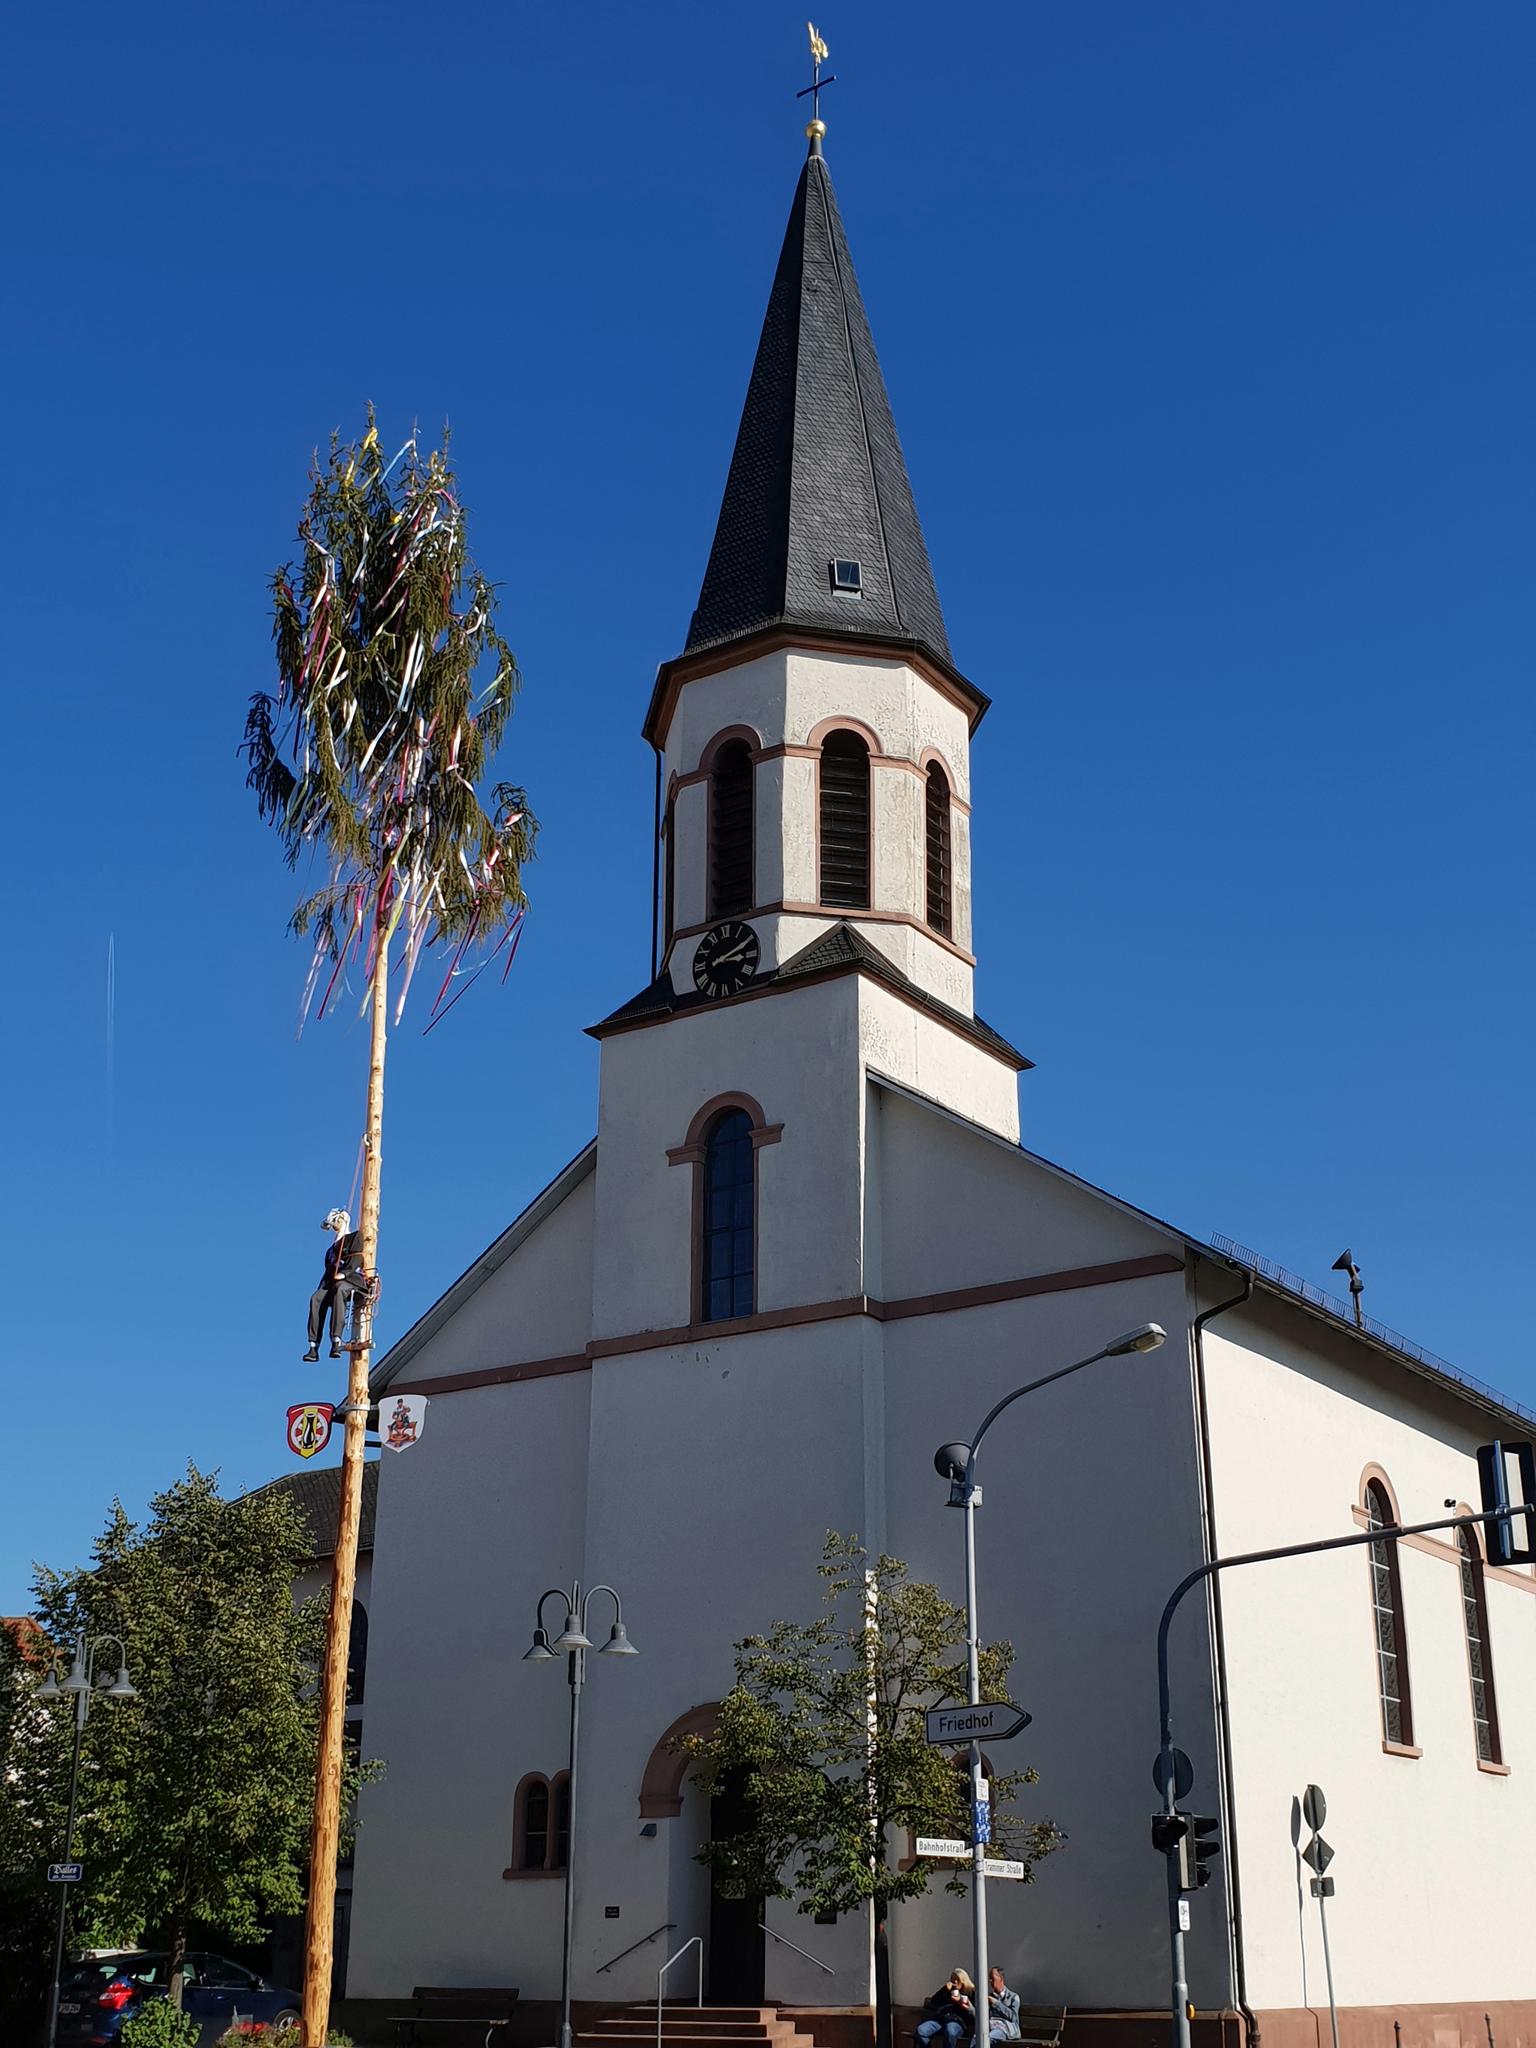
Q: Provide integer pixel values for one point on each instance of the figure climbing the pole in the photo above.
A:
(340, 1284)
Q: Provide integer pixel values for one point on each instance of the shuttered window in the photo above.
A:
(845, 822)
(533, 1847)
(1474, 1614)
(730, 831)
(727, 1250)
(1387, 1615)
(938, 856)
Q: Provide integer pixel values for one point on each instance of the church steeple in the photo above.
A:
(817, 528)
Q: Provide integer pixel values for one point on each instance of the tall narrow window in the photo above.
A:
(669, 866)
(937, 838)
(533, 1836)
(845, 822)
(727, 1249)
(357, 1654)
(1387, 1610)
(1474, 1613)
(730, 830)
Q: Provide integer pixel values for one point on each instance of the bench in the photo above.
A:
(1040, 2025)
(437, 2010)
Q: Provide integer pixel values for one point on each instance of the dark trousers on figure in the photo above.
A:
(339, 1301)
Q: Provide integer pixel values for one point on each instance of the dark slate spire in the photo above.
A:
(817, 474)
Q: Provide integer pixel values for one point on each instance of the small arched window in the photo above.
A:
(730, 830)
(937, 848)
(727, 1251)
(357, 1654)
(1387, 1614)
(844, 822)
(532, 1848)
(1474, 1614)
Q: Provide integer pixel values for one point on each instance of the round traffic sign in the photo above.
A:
(1314, 1807)
(1183, 1774)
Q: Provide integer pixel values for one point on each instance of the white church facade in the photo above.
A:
(806, 1247)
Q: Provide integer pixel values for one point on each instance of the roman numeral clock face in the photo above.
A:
(725, 959)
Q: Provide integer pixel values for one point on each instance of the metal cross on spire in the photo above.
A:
(819, 53)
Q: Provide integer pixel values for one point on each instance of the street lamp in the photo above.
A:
(575, 1641)
(956, 1462)
(78, 1685)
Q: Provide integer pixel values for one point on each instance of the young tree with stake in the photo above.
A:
(394, 691)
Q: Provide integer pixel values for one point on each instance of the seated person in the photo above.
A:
(1002, 2008)
(949, 2017)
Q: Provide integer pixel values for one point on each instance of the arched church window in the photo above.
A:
(938, 850)
(844, 821)
(531, 1825)
(1387, 1615)
(730, 830)
(1474, 1614)
(727, 1252)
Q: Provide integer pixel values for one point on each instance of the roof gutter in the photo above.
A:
(1219, 1641)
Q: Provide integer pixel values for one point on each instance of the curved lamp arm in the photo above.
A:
(1146, 1337)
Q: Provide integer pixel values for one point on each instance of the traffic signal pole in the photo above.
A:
(1179, 1986)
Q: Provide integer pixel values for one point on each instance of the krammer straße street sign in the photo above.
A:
(992, 1723)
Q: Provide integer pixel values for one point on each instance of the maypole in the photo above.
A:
(369, 755)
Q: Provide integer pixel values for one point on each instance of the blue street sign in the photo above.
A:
(981, 1820)
(65, 1873)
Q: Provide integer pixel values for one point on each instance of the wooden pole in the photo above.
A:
(319, 1932)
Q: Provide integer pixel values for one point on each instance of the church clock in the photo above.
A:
(725, 959)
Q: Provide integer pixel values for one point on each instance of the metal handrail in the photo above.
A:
(666, 1927)
(693, 1941)
(774, 1935)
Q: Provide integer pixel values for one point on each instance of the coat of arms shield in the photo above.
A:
(401, 1425)
(309, 1427)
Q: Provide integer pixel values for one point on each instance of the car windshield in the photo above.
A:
(94, 1973)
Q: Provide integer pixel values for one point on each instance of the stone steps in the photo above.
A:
(692, 2026)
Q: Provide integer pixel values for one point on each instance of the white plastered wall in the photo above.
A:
(1435, 1900)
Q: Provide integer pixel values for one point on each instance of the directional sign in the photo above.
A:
(1314, 1807)
(1183, 1774)
(1318, 1853)
(65, 1873)
(994, 1723)
(941, 1845)
(1001, 1866)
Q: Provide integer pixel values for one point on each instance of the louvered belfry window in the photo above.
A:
(730, 831)
(940, 912)
(669, 858)
(845, 822)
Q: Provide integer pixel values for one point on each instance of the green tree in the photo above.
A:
(194, 1797)
(34, 1762)
(823, 1730)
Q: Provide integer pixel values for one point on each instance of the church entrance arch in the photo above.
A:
(733, 1937)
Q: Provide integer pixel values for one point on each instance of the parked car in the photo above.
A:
(100, 1992)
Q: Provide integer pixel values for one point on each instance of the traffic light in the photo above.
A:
(1201, 1846)
(1168, 1832)
(1493, 1462)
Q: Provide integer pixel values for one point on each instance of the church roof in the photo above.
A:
(316, 1494)
(818, 475)
(842, 949)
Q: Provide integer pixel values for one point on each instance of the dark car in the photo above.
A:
(99, 1993)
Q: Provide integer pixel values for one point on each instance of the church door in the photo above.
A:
(735, 1933)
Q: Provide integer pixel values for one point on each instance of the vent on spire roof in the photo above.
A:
(847, 579)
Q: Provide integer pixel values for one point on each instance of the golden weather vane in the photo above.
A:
(819, 54)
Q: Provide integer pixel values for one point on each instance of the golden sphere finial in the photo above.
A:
(815, 130)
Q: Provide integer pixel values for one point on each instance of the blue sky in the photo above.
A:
(1208, 331)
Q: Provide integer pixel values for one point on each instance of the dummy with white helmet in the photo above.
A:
(340, 1283)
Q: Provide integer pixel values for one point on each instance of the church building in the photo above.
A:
(805, 1247)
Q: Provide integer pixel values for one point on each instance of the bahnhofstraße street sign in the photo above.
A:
(995, 1722)
(941, 1845)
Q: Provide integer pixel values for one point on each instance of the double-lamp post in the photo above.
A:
(956, 1462)
(575, 1641)
(78, 1685)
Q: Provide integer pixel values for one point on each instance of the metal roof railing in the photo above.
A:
(1293, 1283)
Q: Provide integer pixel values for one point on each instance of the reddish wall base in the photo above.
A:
(1509, 2024)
